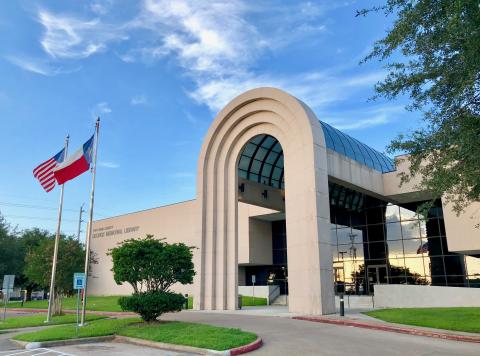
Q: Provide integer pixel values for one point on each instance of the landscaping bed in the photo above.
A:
(172, 332)
(39, 320)
(457, 319)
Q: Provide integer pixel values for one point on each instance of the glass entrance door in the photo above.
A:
(376, 274)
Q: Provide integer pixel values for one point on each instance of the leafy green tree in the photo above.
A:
(29, 240)
(432, 54)
(151, 267)
(38, 266)
(11, 252)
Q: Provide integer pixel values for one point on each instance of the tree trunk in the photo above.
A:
(29, 294)
(57, 304)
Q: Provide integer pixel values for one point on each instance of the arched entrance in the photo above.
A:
(265, 111)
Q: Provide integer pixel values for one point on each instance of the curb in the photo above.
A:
(141, 342)
(86, 340)
(392, 328)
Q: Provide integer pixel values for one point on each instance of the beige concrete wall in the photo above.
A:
(413, 296)
(463, 231)
(248, 232)
(174, 222)
(260, 242)
(353, 173)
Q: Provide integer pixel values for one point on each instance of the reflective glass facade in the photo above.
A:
(378, 242)
(262, 161)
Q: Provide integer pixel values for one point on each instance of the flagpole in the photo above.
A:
(57, 239)
(90, 223)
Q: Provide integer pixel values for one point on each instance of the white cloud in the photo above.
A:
(108, 164)
(138, 100)
(101, 108)
(74, 38)
(362, 119)
(101, 7)
(38, 66)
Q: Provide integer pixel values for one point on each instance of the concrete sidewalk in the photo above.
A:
(287, 336)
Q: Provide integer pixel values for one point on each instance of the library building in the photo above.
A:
(291, 209)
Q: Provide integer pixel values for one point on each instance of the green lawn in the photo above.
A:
(190, 334)
(253, 301)
(107, 303)
(110, 303)
(458, 319)
(179, 333)
(39, 320)
(96, 328)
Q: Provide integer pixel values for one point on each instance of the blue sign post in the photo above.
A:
(78, 284)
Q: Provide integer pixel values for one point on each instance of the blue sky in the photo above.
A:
(157, 72)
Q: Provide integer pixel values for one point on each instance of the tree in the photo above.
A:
(11, 261)
(29, 240)
(38, 266)
(151, 267)
(433, 52)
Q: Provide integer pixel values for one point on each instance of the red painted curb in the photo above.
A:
(391, 328)
(247, 348)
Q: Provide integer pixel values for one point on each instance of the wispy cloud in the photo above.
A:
(101, 7)
(138, 100)
(108, 164)
(73, 38)
(38, 66)
(101, 108)
(354, 120)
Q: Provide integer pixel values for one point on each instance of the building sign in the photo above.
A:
(111, 230)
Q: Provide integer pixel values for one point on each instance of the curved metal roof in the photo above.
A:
(262, 157)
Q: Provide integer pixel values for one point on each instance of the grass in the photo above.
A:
(100, 303)
(39, 320)
(110, 303)
(96, 328)
(458, 319)
(179, 333)
(190, 334)
(253, 301)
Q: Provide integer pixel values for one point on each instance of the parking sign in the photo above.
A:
(79, 281)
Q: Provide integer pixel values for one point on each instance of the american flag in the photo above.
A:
(44, 172)
(423, 248)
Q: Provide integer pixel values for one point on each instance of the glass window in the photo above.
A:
(411, 229)
(244, 163)
(392, 213)
(413, 247)
(395, 249)
(473, 266)
(255, 168)
(407, 215)
(261, 153)
(415, 267)
(394, 231)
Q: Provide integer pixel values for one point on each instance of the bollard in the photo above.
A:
(186, 301)
(342, 305)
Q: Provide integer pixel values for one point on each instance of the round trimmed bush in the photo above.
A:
(150, 305)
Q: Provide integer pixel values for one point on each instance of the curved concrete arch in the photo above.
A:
(274, 112)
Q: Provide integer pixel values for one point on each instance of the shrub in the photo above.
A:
(150, 305)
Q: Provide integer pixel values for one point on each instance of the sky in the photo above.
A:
(156, 73)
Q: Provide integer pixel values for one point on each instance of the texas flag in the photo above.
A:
(76, 164)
